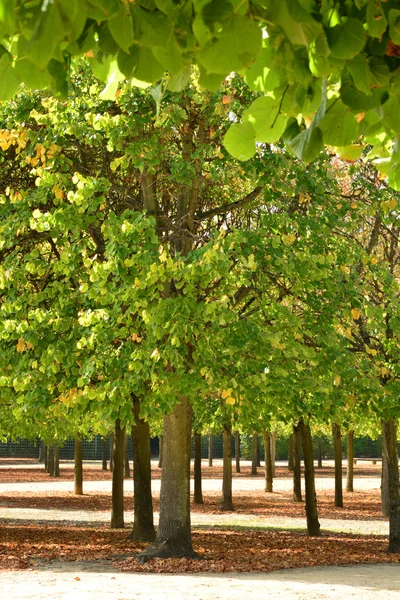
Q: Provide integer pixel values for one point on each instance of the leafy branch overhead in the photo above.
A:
(287, 50)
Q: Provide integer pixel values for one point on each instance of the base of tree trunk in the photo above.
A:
(143, 534)
(227, 506)
(164, 549)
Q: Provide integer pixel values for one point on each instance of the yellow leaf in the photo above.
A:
(136, 338)
(392, 203)
(20, 345)
(231, 400)
(374, 260)
(252, 263)
(226, 393)
(355, 314)
(337, 380)
(370, 351)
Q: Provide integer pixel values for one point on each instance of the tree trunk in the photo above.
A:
(350, 462)
(319, 453)
(273, 452)
(117, 495)
(237, 451)
(210, 450)
(160, 451)
(78, 468)
(143, 525)
(313, 526)
(127, 469)
(56, 461)
(254, 445)
(297, 497)
(226, 501)
(385, 502)
(104, 454)
(337, 446)
(392, 459)
(42, 448)
(198, 495)
(291, 453)
(50, 460)
(268, 462)
(112, 448)
(174, 537)
(46, 458)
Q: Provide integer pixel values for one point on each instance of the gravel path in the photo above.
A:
(99, 581)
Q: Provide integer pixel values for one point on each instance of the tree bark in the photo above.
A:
(337, 446)
(56, 461)
(42, 449)
(385, 502)
(297, 497)
(104, 454)
(350, 462)
(392, 459)
(319, 453)
(117, 495)
(291, 453)
(313, 526)
(227, 501)
(198, 495)
(143, 525)
(174, 534)
(273, 452)
(46, 458)
(127, 469)
(160, 451)
(210, 450)
(78, 468)
(112, 448)
(254, 444)
(50, 460)
(268, 462)
(237, 452)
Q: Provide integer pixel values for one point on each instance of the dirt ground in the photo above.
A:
(32, 502)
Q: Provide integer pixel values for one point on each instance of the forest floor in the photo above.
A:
(45, 529)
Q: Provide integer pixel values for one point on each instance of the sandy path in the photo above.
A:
(99, 581)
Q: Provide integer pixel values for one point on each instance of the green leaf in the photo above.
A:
(356, 100)
(378, 72)
(240, 141)
(32, 76)
(108, 93)
(347, 39)
(147, 68)
(394, 176)
(339, 126)
(7, 15)
(300, 27)
(262, 75)
(180, 81)
(320, 65)
(121, 28)
(350, 153)
(152, 28)
(236, 47)
(48, 33)
(394, 25)
(391, 113)
(211, 81)
(266, 119)
(9, 80)
(359, 70)
(170, 56)
(308, 144)
(376, 19)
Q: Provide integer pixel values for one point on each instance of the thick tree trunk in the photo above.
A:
(392, 458)
(350, 462)
(160, 451)
(78, 468)
(143, 525)
(226, 500)
(297, 497)
(210, 450)
(268, 462)
(42, 448)
(237, 451)
(319, 451)
(337, 446)
(273, 452)
(254, 457)
(104, 454)
(313, 526)
(112, 449)
(50, 460)
(385, 502)
(127, 469)
(291, 453)
(56, 461)
(174, 534)
(117, 494)
(198, 494)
